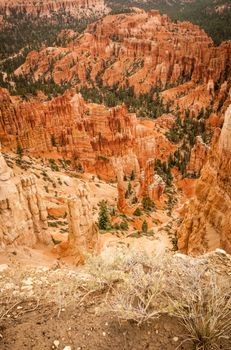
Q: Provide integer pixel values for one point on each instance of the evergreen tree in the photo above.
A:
(132, 176)
(145, 226)
(104, 218)
(124, 226)
(137, 212)
(19, 151)
(148, 204)
(53, 140)
(129, 190)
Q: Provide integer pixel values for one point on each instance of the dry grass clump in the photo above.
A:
(26, 288)
(143, 288)
(135, 280)
(133, 286)
(201, 300)
(138, 296)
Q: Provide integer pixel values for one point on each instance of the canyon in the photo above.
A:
(139, 50)
(76, 8)
(207, 223)
(115, 160)
(183, 81)
(91, 135)
(26, 210)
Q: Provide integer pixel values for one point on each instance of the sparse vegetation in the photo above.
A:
(201, 12)
(148, 105)
(145, 227)
(137, 212)
(53, 140)
(133, 287)
(148, 204)
(204, 308)
(104, 221)
(19, 152)
(132, 176)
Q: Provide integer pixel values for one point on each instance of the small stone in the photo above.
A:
(19, 307)
(157, 331)
(28, 282)
(104, 334)
(175, 339)
(26, 287)
(67, 348)
(9, 286)
(56, 343)
(221, 251)
(3, 267)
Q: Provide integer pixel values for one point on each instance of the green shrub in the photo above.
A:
(124, 226)
(104, 221)
(148, 204)
(145, 227)
(137, 212)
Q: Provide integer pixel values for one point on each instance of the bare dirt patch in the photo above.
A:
(81, 328)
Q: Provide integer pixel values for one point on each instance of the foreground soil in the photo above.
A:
(60, 308)
(81, 328)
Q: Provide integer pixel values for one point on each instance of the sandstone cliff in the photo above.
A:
(77, 8)
(152, 185)
(139, 50)
(23, 216)
(93, 136)
(207, 223)
(36, 206)
(198, 157)
(82, 230)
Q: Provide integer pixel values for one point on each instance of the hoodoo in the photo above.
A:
(207, 223)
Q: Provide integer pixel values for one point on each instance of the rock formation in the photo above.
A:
(152, 184)
(77, 8)
(89, 134)
(22, 213)
(207, 224)
(83, 232)
(122, 204)
(138, 49)
(198, 157)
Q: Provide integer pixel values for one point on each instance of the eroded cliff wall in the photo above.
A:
(207, 224)
(23, 216)
(138, 49)
(77, 8)
(89, 134)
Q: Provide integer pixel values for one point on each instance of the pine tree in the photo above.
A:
(125, 178)
(145, 226)
(148, 204)
(19, 151)
(53, 140)
(124, 226)
(104, 218)
(137, 212)
(129, 190)
(132, 176)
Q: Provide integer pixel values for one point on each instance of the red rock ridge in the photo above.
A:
(207, 224)
(138, 49)
(77, 8)
(89, 134)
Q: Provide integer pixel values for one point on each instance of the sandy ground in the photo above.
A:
(55, 187)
